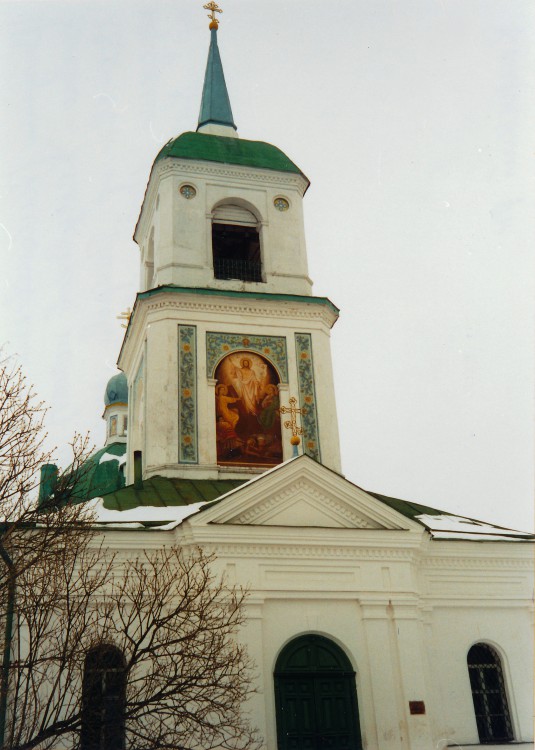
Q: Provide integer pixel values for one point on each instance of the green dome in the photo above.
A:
(116, 390)
(205, 147)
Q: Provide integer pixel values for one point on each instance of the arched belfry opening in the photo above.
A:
(236, 243)
(315, 696)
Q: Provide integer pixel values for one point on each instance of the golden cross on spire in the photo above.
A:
(125, 315)
(213, 8)
(291, 424)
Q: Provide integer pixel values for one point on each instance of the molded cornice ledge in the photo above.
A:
(279, 307)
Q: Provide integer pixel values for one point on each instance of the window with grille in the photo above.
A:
(488, 693)
(103, 700)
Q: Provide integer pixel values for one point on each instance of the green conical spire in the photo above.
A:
(215, 103)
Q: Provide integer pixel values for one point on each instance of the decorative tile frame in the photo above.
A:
(218, 345)
(307, 395)
(187, 395)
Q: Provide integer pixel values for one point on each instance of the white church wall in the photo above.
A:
(457, 627)
(340, 591)
(404, 641)
(390, 600)
(155, 336)
(478, 593)
(183, 240)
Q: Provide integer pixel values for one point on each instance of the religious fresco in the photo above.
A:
(248, 427)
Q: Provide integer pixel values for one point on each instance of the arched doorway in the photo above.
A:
(316, 699)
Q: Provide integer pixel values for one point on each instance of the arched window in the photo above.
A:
(103, 700)
(488, 693)
(316, 699)
(236, 244)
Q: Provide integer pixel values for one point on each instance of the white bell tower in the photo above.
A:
(225, 329)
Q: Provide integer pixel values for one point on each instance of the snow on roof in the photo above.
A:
(166, 517)
(444, 526)
(112, 457)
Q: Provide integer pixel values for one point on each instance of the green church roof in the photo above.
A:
(408, 508)
(217, 148)
(102, 472)
(161, 492)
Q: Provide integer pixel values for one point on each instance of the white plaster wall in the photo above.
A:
(371, 602)
(161, 372)
(120, 412)
(154, 327)
(369, 598)
(183, 241)
(455, 629)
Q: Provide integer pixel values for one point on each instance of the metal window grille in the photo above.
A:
(489, 696)
(244, 270)
(103, 700)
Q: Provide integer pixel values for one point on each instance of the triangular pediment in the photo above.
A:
(302, 493)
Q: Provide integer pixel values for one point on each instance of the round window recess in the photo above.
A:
(188, 191)
(281, 204)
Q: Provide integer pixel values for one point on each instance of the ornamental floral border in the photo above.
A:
(307, 395)
(218, 345)
(187, 395)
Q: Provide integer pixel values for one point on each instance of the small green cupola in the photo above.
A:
(116, 409)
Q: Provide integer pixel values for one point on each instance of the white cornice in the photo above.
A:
(275, 308)
(165, 305)
(481, 562)
(294, 550)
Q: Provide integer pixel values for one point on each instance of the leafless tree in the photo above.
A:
(106, 651)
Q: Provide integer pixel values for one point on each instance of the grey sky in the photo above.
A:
(413, 121)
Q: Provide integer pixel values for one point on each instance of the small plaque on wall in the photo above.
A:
(417, 707)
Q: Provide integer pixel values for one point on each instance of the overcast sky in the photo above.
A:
(413, 120)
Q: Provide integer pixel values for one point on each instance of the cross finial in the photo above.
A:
(291, 424)
(125, 315)
(213, 8)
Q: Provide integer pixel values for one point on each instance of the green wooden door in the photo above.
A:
(315, 695)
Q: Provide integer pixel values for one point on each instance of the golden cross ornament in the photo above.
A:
(125, 315)
(213, 8)
(291, 424)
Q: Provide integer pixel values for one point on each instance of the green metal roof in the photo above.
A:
(99, 474)
(217, 148)
(215, 102)
(408, 508)
(98, 477)
(161, 492)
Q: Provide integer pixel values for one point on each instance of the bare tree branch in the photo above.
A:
(185, 675)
